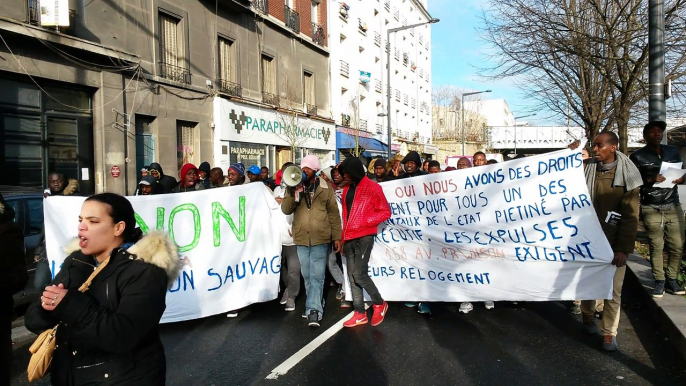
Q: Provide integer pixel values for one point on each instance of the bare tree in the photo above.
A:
(294, 129)
(585, 60)
(446, 113)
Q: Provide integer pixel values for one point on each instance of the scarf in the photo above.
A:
(626, 175)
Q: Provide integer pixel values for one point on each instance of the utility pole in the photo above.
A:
(657, 108)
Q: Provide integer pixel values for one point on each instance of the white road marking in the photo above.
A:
(289, 363)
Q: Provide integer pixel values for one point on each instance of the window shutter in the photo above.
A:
(169, 44)
(226, 60)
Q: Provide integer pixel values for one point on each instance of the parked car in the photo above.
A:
(28, 205)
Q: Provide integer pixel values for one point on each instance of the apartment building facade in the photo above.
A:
(359, 81)
(130, 83)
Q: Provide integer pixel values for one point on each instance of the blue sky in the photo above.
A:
(457, 52)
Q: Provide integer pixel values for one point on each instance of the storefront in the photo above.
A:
(262, 136)
(351, 142)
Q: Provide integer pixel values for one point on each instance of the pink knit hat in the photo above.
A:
(311, 161)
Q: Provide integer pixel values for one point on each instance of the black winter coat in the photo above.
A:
(649, 163)
(13, 274)
(109, 335)
(168, 182)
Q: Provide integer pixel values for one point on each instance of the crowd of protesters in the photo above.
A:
(331, 219)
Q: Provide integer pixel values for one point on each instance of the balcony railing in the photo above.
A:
(377, 85)
(311, 109)
(292, 18)
(345, 68)
(377, 39)
(33, 9)
(397, 95)
(396, 54)
(413, 66)
(387, 46)
(387, 5)
(421, 72)
(379, 128)
(413, 103)
(345, 120)
(405, 99)
(318, 35)
(412, 32)
(270, 99)
(175, 73)
(363, 124)
(406, 59)
(421, 39)
(261, 5)
(230, 88)
(396, 14)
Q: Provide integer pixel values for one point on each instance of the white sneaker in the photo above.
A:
(489, 305)
(466, 307)
(232, 314)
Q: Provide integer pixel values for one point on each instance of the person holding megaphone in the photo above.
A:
(316, 222)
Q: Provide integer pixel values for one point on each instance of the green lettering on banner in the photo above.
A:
(144, 227)
(196, 225)
(160, 219)
(141, 223)
(219, 211)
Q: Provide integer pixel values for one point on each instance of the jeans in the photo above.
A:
(357, 252)
(610, 320)
(664, 225)
(291, 275)
(313, 266)
(334, 268)
(42, 277)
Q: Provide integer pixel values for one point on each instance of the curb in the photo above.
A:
(21, 334)
(669, 311)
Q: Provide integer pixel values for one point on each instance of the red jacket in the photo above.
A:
(369, 209)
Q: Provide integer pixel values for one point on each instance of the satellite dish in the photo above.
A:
(292, 176)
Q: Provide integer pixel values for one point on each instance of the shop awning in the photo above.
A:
(347, 141)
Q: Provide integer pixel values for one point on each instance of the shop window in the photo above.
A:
(248, 154)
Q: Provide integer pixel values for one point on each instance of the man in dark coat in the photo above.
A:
(13, 278)
(412, 162)
(204, 174)
(168, 182)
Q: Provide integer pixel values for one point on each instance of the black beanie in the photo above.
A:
(353, 167)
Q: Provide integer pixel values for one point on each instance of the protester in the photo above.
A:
(492, 162)
(144, 172)
(264, 177)
(479, 159)
(168, 183)
(57, 186)
(109, 333)
(450, 169)
(380, 173)
(203, 174)
(463, 163)
(364, 208)
(254, 173)
(394, 167)
(661, 210)
(189, 180)
(316, 223)
(434, 167)
(411, 163)
(425, 165)
(13, 278)
(613, 183)
(237, 175)
(290, 264)
(216, 178)
(147, 186)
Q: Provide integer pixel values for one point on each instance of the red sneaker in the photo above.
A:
(379, 313)
(357, 319)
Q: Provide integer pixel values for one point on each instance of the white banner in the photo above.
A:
(523, 230)
(228, 238)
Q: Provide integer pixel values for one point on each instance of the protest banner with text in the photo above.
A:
(227, 239)
(523, 230)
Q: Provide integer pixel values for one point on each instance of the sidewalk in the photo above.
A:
(19, 333)
(669, 312)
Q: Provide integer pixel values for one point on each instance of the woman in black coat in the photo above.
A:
(108, 335)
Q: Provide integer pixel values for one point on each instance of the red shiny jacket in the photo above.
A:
(369, 209)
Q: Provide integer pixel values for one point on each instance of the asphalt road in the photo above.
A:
(527, 344)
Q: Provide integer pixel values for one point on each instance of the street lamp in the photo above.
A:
(515, 129)
(388, 73)
(462, 107)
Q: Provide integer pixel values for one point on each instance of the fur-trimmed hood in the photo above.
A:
(154, 248)
(71, 188)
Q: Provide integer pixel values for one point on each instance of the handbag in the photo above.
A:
(43, 348)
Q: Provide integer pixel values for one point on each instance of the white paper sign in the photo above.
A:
(228, 238)
(670, 171)
(523, 230)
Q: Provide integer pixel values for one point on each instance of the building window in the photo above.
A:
(185, 142)
(228, 73)
(145, 143)
(308, 93)
(171, 49)
(269, 80)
